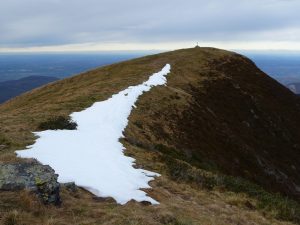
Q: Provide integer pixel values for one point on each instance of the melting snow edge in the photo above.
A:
(92, 156)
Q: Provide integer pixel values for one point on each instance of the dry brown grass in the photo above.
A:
(181, 203)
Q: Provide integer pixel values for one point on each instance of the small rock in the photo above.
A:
(133, 201)
(145, 203)
(31, 176)
(70, 186)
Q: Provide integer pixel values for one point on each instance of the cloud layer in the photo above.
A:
(30, 23)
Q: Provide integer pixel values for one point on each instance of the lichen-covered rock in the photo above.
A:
(32, 176)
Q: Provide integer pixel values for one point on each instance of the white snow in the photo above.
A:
(92, 156)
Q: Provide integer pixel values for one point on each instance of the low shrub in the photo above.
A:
(58, 123)
(281, 207)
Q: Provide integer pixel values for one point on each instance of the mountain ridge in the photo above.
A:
(219, 123)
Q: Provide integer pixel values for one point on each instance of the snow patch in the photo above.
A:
(92, 155)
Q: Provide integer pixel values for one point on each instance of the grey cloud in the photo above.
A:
(55, 22)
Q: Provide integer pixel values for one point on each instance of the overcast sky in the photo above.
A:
(148, 24)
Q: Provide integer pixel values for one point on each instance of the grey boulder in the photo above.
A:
(32, 176)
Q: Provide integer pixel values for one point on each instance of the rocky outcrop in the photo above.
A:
(32, 176)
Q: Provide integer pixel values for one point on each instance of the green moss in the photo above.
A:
(39, 182)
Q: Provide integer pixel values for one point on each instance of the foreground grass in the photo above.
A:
(180, 204)
(272, 204)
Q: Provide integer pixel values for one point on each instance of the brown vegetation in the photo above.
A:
(200, 132)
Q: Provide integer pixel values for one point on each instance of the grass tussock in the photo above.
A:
(11, 218)
(4, 141)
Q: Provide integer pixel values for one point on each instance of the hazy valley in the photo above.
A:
(39, 69)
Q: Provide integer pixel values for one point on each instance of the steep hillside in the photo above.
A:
(224, 136)
(224, 114)
(12, 88)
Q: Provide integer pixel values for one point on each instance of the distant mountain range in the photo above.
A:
(12, 88)
(35, 70)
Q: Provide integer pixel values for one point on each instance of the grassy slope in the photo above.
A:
(220, 112)
(157, 136)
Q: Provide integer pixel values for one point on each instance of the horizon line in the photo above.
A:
(292, 47)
